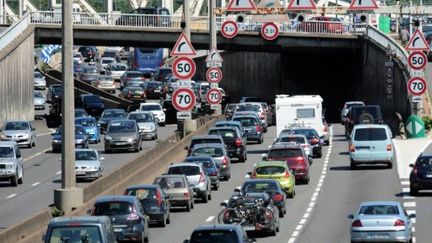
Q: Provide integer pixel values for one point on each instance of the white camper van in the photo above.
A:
(299, 110)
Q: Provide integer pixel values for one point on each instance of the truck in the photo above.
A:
(300, 111)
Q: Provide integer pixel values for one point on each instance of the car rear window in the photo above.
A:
(285, 153)
(185, 170)
(214, 236)
(223, 133)
(269, 170)
(170, 182)
(112, 208)
(379, 210)
(142, 193)
(292, 139)
(253, 186)
(205, 140)
(246, 121)
(370, 134)
(75, 234)
(373, 110)
(209, 151)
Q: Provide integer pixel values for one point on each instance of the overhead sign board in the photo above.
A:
(417, 86)
(270, 31)
(301, 5)
(183, 47)
(183, 68)
(229, 29)
(417, 60)
(183, 99)
(417, 42)
(241, 5)
(363, 5)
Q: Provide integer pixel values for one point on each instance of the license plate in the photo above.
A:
(429, 175)
(120, 143)
(157, 90)
(117, 230)
(249, 228)
(379, 236)
(80, 172)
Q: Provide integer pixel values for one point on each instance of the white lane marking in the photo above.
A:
(405, 183)
(299, 227)
(36, 183)
(58, 172)
(407, 197)
(309, 209)
(413, 220)
(414, 240)
(313, 199)
(306, 215)
(295, 233)
(405, 189)
(44, 134)
(209, 219)
(37, 154)
(413, 229)
(409, 204)
(411, 212)
(302, 221)
(11, 196)
(291, 240)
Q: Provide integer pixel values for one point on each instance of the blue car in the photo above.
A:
(81, 138)
(210, 167)
(90, 126)
(371, 144)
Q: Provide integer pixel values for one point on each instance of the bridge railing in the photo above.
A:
(8, 35)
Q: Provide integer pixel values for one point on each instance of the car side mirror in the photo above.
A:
(237, 190)
(411, 216)
(411, 165)
(350, 216)
(249, 173)
(223, 204)
(186, 147)
(264, 156)
(186, 241)
(52, 134)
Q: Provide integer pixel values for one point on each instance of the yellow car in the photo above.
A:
(277, 170)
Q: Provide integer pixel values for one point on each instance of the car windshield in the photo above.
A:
(358, 110)
(80, 113)
(16, 126)
(379, 210)
(269, 170)
(113, 114)
(85, 155)
(118, 68)
(209, 151)
(246, 121)
(170, 182)
(141, 117)
(247, 108)
(75, 234)
(122, 126)
(205, 163)
(309, 133)
(285, 153)
(105, 78)
(151, 108)
(112, 208)
(154, 85)
(223, 133)
(85, 122)
(57, 89)
(92, 99)
(424, 164)
(135, 75)
(227, 236)
(38, 95)
(184, 170)
(38, 75)
(142, 193)
(108, 60)
(349, 105)
(251, 186)
(6, 152)
(299, 140)
(370, 134)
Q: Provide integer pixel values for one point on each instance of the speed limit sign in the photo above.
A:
(417, 86)
(214, 75)
(183, 99)
(183, 68)
(270, 31)
(229, 29)
(417, 60)
(214, 96)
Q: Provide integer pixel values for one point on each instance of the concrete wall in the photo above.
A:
(16, 79)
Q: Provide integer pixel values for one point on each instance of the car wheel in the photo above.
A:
(29, 145)
(188, 207)
(306, 181)
(204, 198)
(216, 187)
(162, 124)
(168, 220)
(390, 165)
(14, 180)
(34, 144)
(292, 194)
(209, 195)
(192, 204)
(162, 223)
(261, 140)
(242, 158)
(281, 214)
(21, 179)
(353, 165)
(413, 191)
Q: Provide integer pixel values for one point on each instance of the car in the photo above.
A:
(90, 126)
(230, 124)
(229, 110)
(381, 221)
(89, 71)
(108, 115)
(55, 91)
(105, 61)
(11, 163)
(233, 140)
(80, 229)
(154, 201)
(126, 214)
(123, 134)
(88, 164)
(269, 186)
(39, 100)
(132, 93)
(80, 113)
(178, 189)
(252, 129)
(154, 89)
(157, 111)
(197, 177)
(162, 73)
(277, 170)
(93, 104)
(39, 80)
(367, 114)
(314, 139)
(255, 108)
(111, 52)
(116, 70)
(90, 53)
(371, 144)
(78, 57)
(146, 123)
(421, 174)
(245, 99)
(294, 156)
(90, 79)
(20, 131)
(201, 139)
(231, 233)
(210, 168)
(299, 139)
(81, 138)
(131, 76)
(218, 153)
(345, 109)
(106, 83)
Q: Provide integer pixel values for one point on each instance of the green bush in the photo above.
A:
(428, 122)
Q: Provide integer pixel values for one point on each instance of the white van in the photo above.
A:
(299, 110)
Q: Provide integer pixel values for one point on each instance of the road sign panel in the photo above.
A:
(214, 96)
(241, 5)
(363, 5)
(214, 107)
(181, 115)
(301, 5)
(214, 85)
(417, 60)
(213, 64)
(184, 83)
(183, 99)
(183, 68)
(417, 42)
(417, 86)
(214, 56)
(229, 29)
(416, 99)
(270, 31)
(214, 75)
(183, 47)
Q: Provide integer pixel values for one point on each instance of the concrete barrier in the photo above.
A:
(135, 171)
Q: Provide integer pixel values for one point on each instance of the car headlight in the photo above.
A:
(56, 141)
(9, 166)
(107, 137)
(2, 136)
(151, 127)
(79, 140)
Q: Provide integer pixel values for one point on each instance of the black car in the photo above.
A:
(55, 91)
(93, 104)
(154, 201)
(170, 111)
(90, 53)
(108, 115)
(200, 139)
(127, 216)
(368, 114)
(421, 174)
(162, 73)
(313, 138)
(232, 137)
(210, 167)
(154, 89)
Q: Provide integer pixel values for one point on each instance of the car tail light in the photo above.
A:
(325, 128)
(128, 78)
(225, 162)
(258, 128)
(262, 116)
(253, 175)
(125, 192)
(399, 222)
(277, 197)
(389, 147)
(186, 194)
(268, 214)
(159, 200)
(352, 148)
(93, 211)
(213, 173)
(129, 94)
(201, 179)
(132, 217)
(415, 171)
(356, 223)
(238, 142)
(287, 175)
(300, 159)
(98, 83)
(314, 141)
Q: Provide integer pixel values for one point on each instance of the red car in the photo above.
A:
(322, 24)
(295, 157)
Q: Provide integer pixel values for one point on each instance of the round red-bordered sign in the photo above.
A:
(183, 99)
(183, 68)
(417, 60)
(229, 29)
(214, 96)
(417, 86)
(269, 31)
(214, 75)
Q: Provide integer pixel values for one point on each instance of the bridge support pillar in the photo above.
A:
(68, 199)
(2, 11)
(169, 5)
(186, 17)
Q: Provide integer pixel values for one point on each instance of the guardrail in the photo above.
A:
(8, 35)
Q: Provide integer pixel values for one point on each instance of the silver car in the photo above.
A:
(123, 134)
(381, 221)
(39, 101)
(146, 123)
(11, 167)
(88, 164)
(39, 81)
(21, 132)
(116, 70)
(218, 153)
